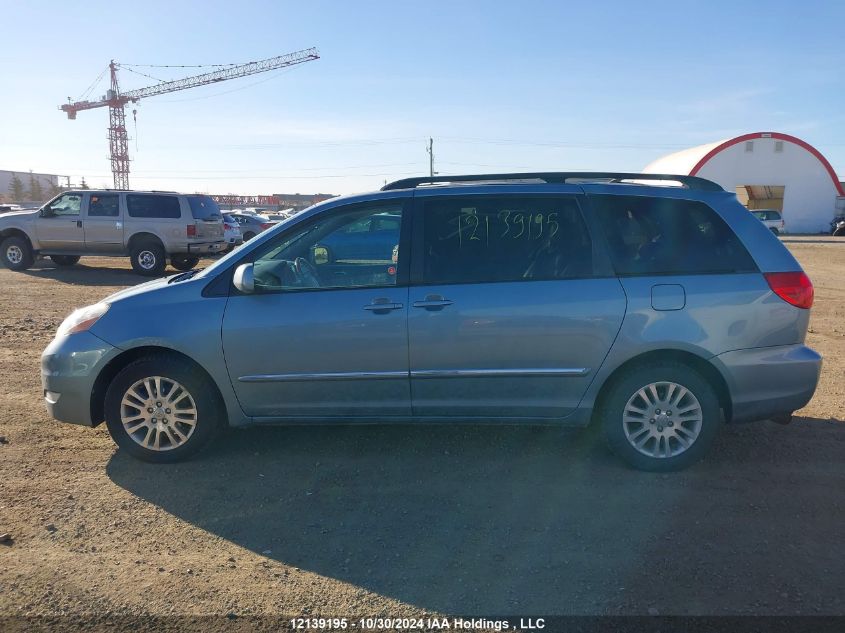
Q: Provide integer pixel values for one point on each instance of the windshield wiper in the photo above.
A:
(185, 275)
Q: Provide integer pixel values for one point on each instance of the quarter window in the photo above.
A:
(497, 239)
(152, 206)
(326, 254)
(663, 236)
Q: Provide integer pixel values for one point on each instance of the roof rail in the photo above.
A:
(557, 177)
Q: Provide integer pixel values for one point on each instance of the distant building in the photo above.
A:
(275, 202)
(49, 183)
(767, 170)
(299, 201)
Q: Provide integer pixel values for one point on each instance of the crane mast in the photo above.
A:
(116, 100)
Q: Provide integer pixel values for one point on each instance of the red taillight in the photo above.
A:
(227, 227)
(266, 225)
(191, 230)
(794, 288)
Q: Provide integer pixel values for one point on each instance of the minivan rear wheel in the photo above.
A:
(660, 417)
(161, 409)
(184, 262)
(148, 259)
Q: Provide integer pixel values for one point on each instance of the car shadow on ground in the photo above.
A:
(505, 520)
(82, 275)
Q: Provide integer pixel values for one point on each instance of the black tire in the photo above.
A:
(840, 232)
(148, 259)
(184, 262)
(65, 260)
(248, 236)
(659, 433)
(207, 423)
(16, 253)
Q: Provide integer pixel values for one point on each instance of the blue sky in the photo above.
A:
(498, 85)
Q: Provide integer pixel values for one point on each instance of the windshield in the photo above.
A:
(204, 208)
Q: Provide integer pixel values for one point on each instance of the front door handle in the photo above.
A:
(78, 223)
(383, 306)
(433, 302)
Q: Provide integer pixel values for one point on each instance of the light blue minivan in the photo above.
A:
(655, 305)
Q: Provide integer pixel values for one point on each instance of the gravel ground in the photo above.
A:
(412, 520)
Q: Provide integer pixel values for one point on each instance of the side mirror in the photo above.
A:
(244, 278)
(46, 212)
(320, 255)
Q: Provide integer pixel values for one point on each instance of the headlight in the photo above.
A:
(82, 319)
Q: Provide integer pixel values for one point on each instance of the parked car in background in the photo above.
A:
(553, 298)
(837, 226)
(280, 216)
(251, 225)
(772, 218)
(8, 208)
(147, 226)
(232, 232)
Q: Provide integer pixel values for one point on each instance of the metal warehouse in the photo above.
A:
(767, 170)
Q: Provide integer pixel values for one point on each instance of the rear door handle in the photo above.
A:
(383, 306)
(433, 302)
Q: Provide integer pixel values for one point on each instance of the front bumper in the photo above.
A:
(769, 381)
(69, 367)
(206, 247)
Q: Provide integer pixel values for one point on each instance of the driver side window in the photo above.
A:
(332, 252)
(68, 204)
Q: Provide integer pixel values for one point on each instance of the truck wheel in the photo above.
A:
(161, 409)
(184, 262)
(840, 232)
(148, 259)
(660, 417)
(16, 253)
(65, 260)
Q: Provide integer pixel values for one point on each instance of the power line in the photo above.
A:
(314, 177)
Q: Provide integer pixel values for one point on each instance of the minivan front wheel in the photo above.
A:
(148, 259)
(661, 417)
(161, 409)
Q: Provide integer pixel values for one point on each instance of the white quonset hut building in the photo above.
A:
(767, 170)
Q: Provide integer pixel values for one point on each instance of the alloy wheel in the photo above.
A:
(158, 413)
(147, 260)
(14, 254)
(662, 419)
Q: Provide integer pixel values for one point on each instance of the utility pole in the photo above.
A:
(430, 151)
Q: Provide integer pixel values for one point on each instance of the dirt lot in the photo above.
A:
(419, 520)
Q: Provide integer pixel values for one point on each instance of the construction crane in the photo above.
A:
(117, 100)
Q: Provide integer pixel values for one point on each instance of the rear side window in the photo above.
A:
(104, 205)
(660, 236)
(151, 206)
(496, 239)
(204, 208)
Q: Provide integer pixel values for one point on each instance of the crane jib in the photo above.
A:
(116, 100)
